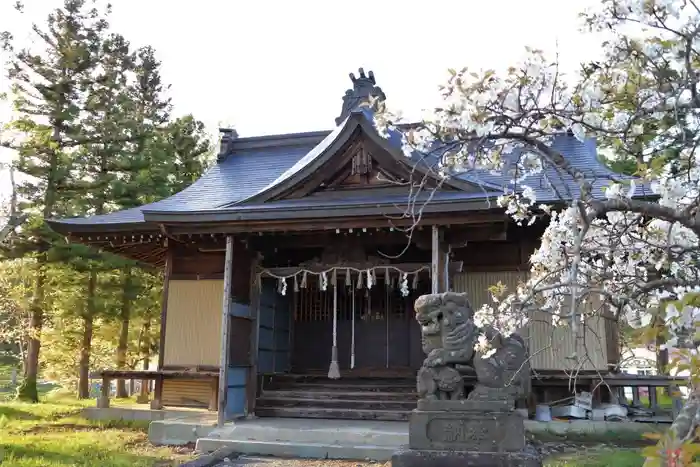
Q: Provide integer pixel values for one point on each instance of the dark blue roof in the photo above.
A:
(256, 166)
(245, 172)
(551, 184)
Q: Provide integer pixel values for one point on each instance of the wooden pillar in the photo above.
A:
(255, 334)
(446, 270)
(635, 396)
(157, 402)
(214, 395)
(435, 263)
(440, 262)
(225, 318)
(105, 390)
(676, 400)
(653, 402)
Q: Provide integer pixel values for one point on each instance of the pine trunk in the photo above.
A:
(86, 344)
(125, 316)
(27, 391)
(121, 350)
(146, 353)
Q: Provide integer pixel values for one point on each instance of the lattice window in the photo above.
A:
(375, 304)
(311, 303)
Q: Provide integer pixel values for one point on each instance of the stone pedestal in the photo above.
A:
(466, 433)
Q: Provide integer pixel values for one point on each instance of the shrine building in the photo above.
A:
(292, 252)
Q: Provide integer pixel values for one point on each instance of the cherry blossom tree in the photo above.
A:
(627, 243)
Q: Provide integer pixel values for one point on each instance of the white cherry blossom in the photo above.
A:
(638, 258)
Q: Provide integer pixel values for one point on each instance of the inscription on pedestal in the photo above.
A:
(461, 431)
(466, 431)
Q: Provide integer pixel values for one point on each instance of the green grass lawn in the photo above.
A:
(600, 457)
(52, 434)
(662, 399)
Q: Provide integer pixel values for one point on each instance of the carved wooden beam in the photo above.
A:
(490, 232)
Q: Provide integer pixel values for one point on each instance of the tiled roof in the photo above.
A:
(256, 165)
(241, 175)
(553, 185)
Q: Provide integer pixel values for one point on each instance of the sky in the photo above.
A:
(279, 66)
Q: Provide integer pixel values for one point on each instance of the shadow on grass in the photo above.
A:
(131, 425)
(17, 414)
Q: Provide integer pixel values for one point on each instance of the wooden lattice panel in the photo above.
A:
(313, 304)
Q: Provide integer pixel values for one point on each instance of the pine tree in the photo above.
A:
(147, 113)
(168, 157)
(48, 87)
(106, 117)
(96, 136)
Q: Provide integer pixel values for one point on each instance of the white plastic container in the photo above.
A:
(543, 413)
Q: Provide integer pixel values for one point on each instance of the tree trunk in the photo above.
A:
(146, 352)
(125, 316)
(27, 391)
(86, 344)
(121, 350)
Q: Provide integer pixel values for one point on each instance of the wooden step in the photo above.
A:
(345, 387)
(312, 378)
(351, 395)
(345, 414)
(358, 404)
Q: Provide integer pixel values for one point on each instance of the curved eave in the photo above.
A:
(146, 247)
(68, 228)
(283, 211)
(331, 145)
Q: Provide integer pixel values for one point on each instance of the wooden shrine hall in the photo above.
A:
(292, 265)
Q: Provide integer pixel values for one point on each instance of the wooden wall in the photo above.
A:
(195, 297)
(549, 346)
(186, 393)
(193, 322)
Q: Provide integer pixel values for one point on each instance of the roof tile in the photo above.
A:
(253, 169)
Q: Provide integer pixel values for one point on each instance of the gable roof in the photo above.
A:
(247, 181)
(389, 151)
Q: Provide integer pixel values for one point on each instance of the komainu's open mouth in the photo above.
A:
(430, 324)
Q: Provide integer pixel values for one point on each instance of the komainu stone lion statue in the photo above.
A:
(449, 335)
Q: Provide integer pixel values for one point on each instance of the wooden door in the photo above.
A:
(386, 335)
(274, 324)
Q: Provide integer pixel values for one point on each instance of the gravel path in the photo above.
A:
(547, 450)
(274, 462)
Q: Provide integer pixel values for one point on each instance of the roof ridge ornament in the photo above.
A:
(226, 138)
(364, 92)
